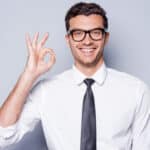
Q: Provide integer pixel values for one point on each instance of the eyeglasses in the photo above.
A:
(95, 34)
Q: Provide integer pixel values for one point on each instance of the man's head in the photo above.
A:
(85, 9)
(86, 25)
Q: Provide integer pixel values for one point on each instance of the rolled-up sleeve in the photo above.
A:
(29, 117)
(141, 127)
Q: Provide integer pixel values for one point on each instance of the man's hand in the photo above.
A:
(12, 107)
(36, 65)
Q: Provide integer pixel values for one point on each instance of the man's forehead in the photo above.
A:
(88, 22)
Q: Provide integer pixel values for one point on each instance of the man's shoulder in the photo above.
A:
(122, 75)
(124, 78)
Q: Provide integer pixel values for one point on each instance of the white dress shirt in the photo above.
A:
(122, 111)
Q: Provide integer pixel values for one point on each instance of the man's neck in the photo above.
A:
(89, 71)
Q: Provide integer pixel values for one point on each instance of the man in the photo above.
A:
(88, 107)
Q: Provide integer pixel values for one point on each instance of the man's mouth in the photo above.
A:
(87, 51)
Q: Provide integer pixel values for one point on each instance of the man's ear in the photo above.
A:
(106, 37)
(67, 38)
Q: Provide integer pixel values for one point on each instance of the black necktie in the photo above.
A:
(88, 129)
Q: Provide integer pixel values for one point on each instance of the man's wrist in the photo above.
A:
(28, 77)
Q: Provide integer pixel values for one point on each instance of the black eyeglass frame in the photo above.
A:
(70, 32)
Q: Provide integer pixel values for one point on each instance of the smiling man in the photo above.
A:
(88, 107)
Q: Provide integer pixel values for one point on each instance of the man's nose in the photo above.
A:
(87, 40)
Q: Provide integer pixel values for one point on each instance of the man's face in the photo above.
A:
(87, 53)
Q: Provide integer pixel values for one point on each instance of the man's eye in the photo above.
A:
(96, 32)
(78, 33)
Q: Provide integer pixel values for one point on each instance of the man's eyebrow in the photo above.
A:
(85, 29)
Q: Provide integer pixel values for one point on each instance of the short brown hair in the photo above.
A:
(83, 8)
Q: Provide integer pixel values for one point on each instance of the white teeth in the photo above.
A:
(87, 50)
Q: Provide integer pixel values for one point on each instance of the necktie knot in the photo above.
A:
(89, 82)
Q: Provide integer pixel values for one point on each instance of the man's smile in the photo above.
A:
(87, 51)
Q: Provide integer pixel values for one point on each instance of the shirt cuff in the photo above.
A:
(8, 132)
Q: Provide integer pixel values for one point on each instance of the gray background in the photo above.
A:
(128, 49)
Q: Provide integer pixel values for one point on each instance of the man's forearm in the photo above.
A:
(12, 107)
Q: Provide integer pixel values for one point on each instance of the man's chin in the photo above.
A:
(89, 64)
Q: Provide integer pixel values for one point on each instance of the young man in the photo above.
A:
(88, 107)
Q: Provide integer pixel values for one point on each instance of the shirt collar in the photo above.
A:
(99, 76)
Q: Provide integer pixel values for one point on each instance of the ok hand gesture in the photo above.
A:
(36, 65)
